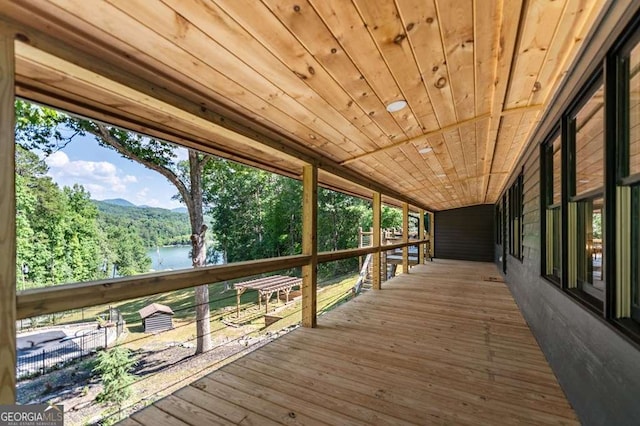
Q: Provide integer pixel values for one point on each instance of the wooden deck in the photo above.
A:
(442, 345)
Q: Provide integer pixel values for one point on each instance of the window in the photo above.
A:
(552, 204)
(628, 184)
(590, 192)
(586, 203)
(515, 217)
(498, 224)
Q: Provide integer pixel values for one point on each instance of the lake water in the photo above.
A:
(172, 257)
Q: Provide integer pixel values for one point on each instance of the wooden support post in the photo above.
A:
(238, 303)
(8, 225)
(421, 247)
(375, 241)
(405, 238)
(432, 239)
(309, 244)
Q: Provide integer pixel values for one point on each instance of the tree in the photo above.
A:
(50, 130)
(114, 366)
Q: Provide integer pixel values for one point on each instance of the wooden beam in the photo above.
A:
(432, 239)
(8, 225)
(377, 212)
(421, 247)
(405, 238)
(309, 245)
(423, 138)
(62, 298)
(332, 256)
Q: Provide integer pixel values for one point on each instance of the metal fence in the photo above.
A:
(39, 360)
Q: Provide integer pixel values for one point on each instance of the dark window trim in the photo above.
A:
(546, 195)
(629, 180)
(516, 211)
(611, 73)
(594, 193)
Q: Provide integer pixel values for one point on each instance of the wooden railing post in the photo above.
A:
(405, 238)
(421, 247)
(309, 244)
(432, 239)
(8, 225)
(375, 241)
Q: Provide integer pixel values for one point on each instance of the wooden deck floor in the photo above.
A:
(442, 345)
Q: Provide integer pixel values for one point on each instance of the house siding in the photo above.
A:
(598, 368)
(465, 233)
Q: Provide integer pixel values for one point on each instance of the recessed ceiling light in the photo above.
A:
(583, 181)
(441, 176)
(396, 105)
(425, 150)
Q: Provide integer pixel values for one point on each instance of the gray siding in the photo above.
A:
(158, 322)
(598, 368)
(465, 233)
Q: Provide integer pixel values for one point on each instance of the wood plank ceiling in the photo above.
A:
(476, 75)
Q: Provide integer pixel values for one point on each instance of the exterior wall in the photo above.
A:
(158, 322)
(465, 233)
(598, 368)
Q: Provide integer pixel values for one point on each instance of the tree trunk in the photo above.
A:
(199, 252)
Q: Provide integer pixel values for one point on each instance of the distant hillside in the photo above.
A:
(156, 226)
(180, 210)
(119, 202)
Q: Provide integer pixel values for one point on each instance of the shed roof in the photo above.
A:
(153, 308)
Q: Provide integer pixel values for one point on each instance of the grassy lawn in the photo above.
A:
(222, 303)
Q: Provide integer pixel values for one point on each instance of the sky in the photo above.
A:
(107, 175)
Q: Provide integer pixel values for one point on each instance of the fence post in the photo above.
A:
(105, 338)
(44, 358)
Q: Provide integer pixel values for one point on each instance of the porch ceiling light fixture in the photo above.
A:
(425, 150)
(396, 106)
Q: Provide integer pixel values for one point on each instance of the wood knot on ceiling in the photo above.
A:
(399, 38)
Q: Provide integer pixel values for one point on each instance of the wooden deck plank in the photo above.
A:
(439, 346)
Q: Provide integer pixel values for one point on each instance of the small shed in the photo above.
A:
(156, 318)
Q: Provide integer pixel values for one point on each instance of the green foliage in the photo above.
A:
(255, 214)
(59, 235)
(114, 366)
(153, 226)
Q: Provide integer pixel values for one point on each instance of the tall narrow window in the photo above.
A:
(634, 170)
(515, 217)
(586, 207)
(628, 194)
(498, 224)
(553, 208)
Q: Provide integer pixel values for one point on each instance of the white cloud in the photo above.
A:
(57, 159)
(95, 176)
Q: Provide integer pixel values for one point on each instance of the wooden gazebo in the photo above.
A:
(265, 288)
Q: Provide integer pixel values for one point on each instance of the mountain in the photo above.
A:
(180, 210)
(155, 226)
(119, 202)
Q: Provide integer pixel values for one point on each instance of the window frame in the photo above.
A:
(547, 197)
(614, 77)
(516, 214)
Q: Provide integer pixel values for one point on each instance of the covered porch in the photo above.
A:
(443, 344)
